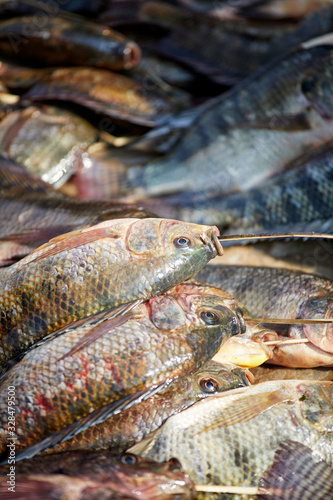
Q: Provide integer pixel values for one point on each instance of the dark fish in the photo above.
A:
(55, 40)
(87, 271)
(31, 212)
(246, 135)
(110, 94)
(81, 377)
(48, 141)
(132, 425)
(236, 436)
(300, 199)
(97, 475)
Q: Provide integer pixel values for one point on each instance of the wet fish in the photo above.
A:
(48, 141)
(281, 293)
(247, 134)
(238, 435)
(56, 40)
(79, 476)
(106, 93)
(97, 364)
(84, 272)
(132, 425)
(300, 199)
(31, 212)
(265, 373)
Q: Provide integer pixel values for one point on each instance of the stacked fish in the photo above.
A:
(135, 137)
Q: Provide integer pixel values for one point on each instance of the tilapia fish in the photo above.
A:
(300, 199)
(92, 367)
(57, 40)
(281, 293)
(132, 425)
(266, 373)
(106, 93)
(31, 212)
(48, 141)
(237, 436)
(84, 272)
(83, 476)
(247, 134)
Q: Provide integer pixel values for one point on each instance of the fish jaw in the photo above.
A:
(320, 335)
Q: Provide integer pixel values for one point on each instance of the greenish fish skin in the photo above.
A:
(167, 337)
(103, 474)
(237, 449)
(84, 272)
(132, 425)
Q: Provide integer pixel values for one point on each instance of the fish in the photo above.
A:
(245, 135)
(298, 199)
(32, 212)
(59, 40)
(104, 92)
(238, 435)
(265, 373)
(48, 141)
(87, 271)
(281, 293)
(96, 364)
(79, 476)
(132, 425)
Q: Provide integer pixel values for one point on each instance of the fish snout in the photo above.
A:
(210, 238)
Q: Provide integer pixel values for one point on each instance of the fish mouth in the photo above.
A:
(211, 239)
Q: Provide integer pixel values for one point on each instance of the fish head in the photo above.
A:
(176, 250)
(316, 403)
(321, 335)
(215, 377)
(152, 480)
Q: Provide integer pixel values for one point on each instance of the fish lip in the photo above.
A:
(210, 238)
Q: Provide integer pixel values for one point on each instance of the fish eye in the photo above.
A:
(174, 464)
(182, 242)
(208, 384)
(128, 459)
(210, 317)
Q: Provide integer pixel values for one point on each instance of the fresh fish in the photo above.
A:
(110, 94)
(55, 40)
(247, 134)
(32, 212)
(84, 272)
(48, 141)
(281, 293)
(132, 425)
(95, 365)
(267, 292)
(300, 199)
(237, 436)
(93, 475)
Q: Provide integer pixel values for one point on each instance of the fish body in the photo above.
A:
(237, 436)
(60, 40)
(94, 365)
(31, 212)
(132, 425)
(247, 134)
(48, 141)
(83, 476)
(300, 199)
(84, 272)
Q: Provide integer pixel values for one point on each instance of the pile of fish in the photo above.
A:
(141, 140)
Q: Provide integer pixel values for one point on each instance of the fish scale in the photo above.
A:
(65, 385)
(85, 272)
